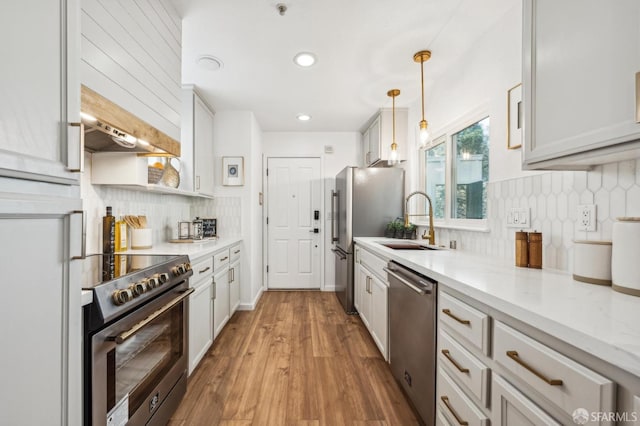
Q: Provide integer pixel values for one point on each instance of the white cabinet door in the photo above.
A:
(40, 312)
(200, 323)
(364, 276)
(512, 408)
(203, 147)
(40, 91)
(358, 287)
(234, 287)
(221, 301)
(365, 148)
(580, 63)
(374, 141)
(379, 322)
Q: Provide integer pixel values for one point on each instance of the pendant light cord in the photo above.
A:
(393, 113)
(422, 85)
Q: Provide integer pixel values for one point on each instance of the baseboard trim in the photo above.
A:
(251, 306)
(329, 288)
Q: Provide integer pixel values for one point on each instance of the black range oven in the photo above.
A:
(135, 341)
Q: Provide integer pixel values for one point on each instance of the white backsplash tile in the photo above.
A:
(553, 198)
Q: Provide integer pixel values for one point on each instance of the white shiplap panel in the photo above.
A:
(138, 65)
(173, 14)
(158, 114)
(131, 54)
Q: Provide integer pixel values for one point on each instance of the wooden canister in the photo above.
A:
(535, 250)
(522, 249)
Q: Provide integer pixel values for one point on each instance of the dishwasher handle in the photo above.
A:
(417, 288)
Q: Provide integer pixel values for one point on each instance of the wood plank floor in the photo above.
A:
(297, 359)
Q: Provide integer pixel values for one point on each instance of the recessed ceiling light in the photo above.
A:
(303, 117)
(305, 59)
(209, 62)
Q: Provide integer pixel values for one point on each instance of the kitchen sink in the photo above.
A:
(410, 246)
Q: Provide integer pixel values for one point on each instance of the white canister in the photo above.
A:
(141, 238)
(592, 261)
(625, 267)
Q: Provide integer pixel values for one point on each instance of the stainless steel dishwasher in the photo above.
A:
(412, 336)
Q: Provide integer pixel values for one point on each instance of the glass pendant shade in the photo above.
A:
(393, 153)
(423, 133)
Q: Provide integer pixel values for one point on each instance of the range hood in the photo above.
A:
(110, 128)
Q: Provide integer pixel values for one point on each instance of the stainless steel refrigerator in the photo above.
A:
(364, 201)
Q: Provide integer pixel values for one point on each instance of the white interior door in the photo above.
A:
(294, 247)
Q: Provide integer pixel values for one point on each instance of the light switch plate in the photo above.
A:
(519, 217)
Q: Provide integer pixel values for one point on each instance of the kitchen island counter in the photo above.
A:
(592, 318)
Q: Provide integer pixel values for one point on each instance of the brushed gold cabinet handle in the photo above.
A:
(83, 253)
(461, 422)
(202, 271)
(514, 356)
(460, 320)
(447, 355)
(80, 168)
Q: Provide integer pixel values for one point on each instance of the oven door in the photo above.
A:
(138, 361)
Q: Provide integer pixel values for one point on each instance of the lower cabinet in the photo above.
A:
(221, 313)
(200, 323)
(511, 407)
(371, 298)
(234, 287)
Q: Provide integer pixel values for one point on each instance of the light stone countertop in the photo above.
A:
(193, 250)
(590, 317)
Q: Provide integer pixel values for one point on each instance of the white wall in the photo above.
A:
(131, 54)
(237, 134)
(346, 152)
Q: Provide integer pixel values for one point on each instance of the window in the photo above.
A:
(456, 173)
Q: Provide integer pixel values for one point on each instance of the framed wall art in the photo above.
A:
(514, 117)
(233, 171)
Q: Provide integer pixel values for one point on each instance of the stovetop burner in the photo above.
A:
(123, 282)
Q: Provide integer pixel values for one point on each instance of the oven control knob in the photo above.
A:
(120, 297)
(164, 277)
(153, 282)
(139, 288)
(176, 271)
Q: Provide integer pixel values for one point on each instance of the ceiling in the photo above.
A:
(364, 48)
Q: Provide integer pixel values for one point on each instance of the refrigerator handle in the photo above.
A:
(334, 216)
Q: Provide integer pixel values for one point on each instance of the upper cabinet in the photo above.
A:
(40, 136)
(378, 136)
(197, 141)
(581, 94)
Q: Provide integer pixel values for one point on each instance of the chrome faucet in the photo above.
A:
(432, 235)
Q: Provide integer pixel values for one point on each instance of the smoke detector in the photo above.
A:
(209, 62)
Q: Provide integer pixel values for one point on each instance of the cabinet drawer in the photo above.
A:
(468, 322)
(203, 268)
(465, 367)
(563, 381)
(441, 419)
(510, 406)
(374, 264)
(234, 253)
(455, 405)
(220, 260)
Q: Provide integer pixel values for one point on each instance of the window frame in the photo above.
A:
(446, 136)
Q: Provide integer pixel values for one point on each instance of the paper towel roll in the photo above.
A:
(625, 268)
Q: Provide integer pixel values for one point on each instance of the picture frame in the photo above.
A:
(515, 115)
(233, 171)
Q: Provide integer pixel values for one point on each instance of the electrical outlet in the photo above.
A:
(587, 217)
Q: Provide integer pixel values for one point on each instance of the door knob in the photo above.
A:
(314, 230)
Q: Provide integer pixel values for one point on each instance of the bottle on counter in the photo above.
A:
(108, 245)
(120, 234)
(535, 250)
(522, 249)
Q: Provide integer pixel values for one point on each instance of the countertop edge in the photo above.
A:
(607, 351)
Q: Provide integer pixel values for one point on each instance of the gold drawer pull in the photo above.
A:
(514, 356)
(447, 355)
(202, 271)
(461, 321)
(461, 422)
(224, 258)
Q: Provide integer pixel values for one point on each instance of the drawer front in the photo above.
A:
(464, 367)
(441, 419)
(511, 407)
(374, 264)
(203, 268)
(467, 321)
(220, 260)
(455, 405)
(564, 382)
(234, 253)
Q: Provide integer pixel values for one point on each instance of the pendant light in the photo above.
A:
(421, 57)
(393, 154)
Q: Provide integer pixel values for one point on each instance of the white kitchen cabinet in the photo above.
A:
(378, 136)
(581, 59)
(200, 310)
(197, 142)
(40, 311)
(511, 407)
(364, 309)
(379, 321)
(234, 287)
(221, 313)
(40, 136)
